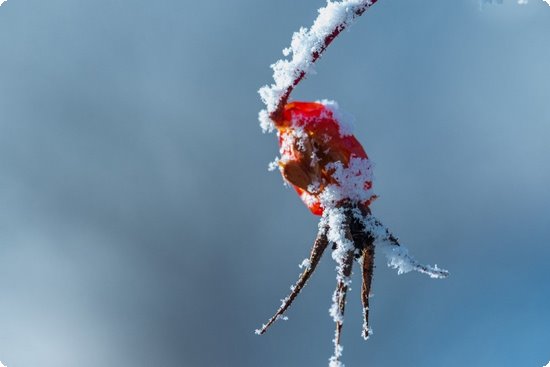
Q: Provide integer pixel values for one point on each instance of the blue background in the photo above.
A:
(139, 225)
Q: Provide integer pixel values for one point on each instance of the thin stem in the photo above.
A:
(367, 269)
(319, 246)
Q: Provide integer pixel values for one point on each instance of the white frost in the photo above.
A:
(2, 2)
(367, 331)
(399, 258)
(265, 122)
(334, 310)
(335, 219)
(1, 364)
(398, 255)
(350, 182)
(334, 361)
(346, 121)
(305, 264)
(272, 166)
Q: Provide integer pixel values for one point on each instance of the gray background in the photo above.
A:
(139, 225)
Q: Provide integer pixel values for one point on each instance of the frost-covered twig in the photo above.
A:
(340, 233)
(319, 247)
(339, 304)
(398, 256)
(306, 48)
(367, 262)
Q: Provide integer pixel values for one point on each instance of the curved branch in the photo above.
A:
(307, 47)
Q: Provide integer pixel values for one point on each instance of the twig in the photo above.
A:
(340, 298)
(367, 269)
(319, 247)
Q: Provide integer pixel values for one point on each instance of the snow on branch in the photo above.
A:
(398, 256)
(306, 47)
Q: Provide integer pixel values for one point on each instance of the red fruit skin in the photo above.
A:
(320, 137)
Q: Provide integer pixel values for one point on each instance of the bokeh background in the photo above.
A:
(139, 225)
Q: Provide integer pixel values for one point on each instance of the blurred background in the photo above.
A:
(139, 225)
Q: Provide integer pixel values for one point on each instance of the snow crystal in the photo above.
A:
(548, 364)
(334, 361)
(346, 121)
(294, 138)
(314, 187)
(272, 166)
(308, 199)
(284, 301)
(2, 2)
(334, 310)
(265, 122)
(367, 331)
(305, 264)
